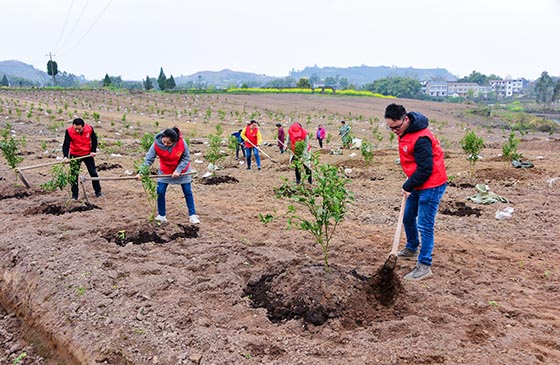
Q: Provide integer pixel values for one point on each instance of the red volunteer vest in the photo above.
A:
(80, 144)
(406, 153)
(251, 136)
(169, 160)
(297, 134)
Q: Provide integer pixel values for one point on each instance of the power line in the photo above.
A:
(91, 27)
(64, 26)
(75, 24)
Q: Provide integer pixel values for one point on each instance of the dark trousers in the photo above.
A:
(298, 175)
(237, 148)
(75, 171)
(320, 142)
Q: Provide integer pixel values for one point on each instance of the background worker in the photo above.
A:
(345, 136)
(321, 134)
(174, 159)
(239, 145)
(281, 137)
(253, 139)
(421, 159)
(296, 133)
(80, 140)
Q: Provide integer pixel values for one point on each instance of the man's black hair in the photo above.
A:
(78, 121)
(395, 112)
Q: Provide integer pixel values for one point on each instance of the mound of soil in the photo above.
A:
(108, 166)
(56, 209)
(215, 180)
(315, 295)
(150, 232)
(459, 209)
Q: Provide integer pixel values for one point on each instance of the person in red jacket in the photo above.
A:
(296, 133)
(80, 140)
(175, 160)
(252, 137)
(421, 158)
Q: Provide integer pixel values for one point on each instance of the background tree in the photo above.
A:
(472, 145)
(170, 83)
(52, 70)
(4, 81)
(162, 79)
(106, 81)
(330, 81)
(556, 95)
(396, 86)
(479, 78)
(544, 90)
(303, 83)
(314, 79)
(148, 83)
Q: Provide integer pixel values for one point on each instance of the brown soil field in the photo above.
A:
(73, 290)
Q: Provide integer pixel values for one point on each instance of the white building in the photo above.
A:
(462, 88)
(436, 88)
(506, 88)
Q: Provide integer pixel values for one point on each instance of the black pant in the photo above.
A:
(320, 142)
(237, 148)
(75, 171)
(307, 171)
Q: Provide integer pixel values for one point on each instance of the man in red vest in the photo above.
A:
(421, 159)
(80, 140)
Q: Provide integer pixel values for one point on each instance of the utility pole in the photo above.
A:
(52, 67)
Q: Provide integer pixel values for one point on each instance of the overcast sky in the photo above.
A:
(134, 38)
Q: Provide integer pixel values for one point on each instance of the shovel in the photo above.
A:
(264, 153)
(24, 180)
(295, 156)
(391, 261)
(83, 179)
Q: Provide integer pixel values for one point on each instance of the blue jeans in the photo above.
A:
(249, 150)
(420, 216)
(187, 192)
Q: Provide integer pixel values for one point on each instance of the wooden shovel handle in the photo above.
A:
(50, 163)
(395, 246)
(86, 178)
(264, 153)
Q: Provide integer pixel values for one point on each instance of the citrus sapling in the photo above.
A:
(324, 203)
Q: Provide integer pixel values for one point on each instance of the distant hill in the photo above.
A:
(223, 78)
(24, 71)
(357, 75)
(360, 75)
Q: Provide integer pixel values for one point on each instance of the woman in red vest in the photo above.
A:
(421, 159)
(296, 133)
(174, 159)
(80, 140)
(252, 137)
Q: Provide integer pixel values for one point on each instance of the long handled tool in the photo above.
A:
(391, 261)
(83, 179)
(299, 158)
(24, 180)
(264, 153)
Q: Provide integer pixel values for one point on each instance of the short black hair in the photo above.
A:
(78, 121)
(278, 125)
(395, 112)
(343, 122)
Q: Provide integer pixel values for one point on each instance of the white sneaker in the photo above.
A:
(194, 219)
(160, 219)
